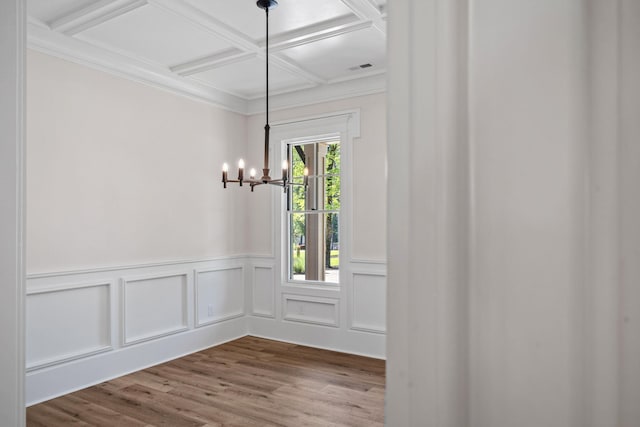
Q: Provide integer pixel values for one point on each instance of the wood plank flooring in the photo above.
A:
(247, 382)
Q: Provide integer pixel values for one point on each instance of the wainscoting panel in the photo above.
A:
(219, 294)
(368, 302)
(67, 322)
(112, 321)
(263, 291)
(85, 327)
(153, 306)
(307, 309)
(350, 317)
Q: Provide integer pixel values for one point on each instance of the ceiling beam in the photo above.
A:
(310, 37)
(367, 11)
(227, 57)
(232, 36)
(93, 15)
(309, 30)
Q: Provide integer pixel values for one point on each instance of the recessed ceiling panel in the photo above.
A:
(50, 10)
(246, 17)
(154, 35)
(247, 78)
(341, 56)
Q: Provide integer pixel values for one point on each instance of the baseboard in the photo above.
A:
(335, 339)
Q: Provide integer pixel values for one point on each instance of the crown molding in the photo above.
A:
(372, 84)
(80, 52)
(93, 15)
(43, 39)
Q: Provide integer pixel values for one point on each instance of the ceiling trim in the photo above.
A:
(314, 37)
(61, 37)
(319, 94)
(93, 15)
(309, 30)
(52, 43)
(195, 16)
(78, 51)
(227, 57)
(366, 10)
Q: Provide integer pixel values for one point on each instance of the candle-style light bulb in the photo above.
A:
(285, 171)
(241, 171)
(225, 169)
(252, 173)
(305, 172)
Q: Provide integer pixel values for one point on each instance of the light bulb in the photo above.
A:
(241, 164)
(285, 165)
(225, 167)
(252, 173)
(305, 172)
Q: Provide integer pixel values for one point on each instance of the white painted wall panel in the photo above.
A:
(81, 327)
(219, 295)
(307, 309)
(368, 302)
(528, 111)
(67, 323)
(153, 307)
(263, 288)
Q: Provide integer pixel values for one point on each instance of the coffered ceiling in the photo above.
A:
(213, 50)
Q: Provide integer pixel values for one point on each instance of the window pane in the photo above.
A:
(331, 178)
(315, 247)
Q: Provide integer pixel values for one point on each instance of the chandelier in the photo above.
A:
(284, 181)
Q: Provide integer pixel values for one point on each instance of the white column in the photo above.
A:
(12, 39)
(427, 215)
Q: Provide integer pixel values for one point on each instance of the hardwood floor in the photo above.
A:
(246, 382)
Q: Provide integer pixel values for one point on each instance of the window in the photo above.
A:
(312, 231)
(313, 216)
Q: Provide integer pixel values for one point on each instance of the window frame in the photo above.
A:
(330, 138)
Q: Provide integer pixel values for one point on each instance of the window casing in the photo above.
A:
(293, 136)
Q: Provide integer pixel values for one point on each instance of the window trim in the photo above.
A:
(345, 126)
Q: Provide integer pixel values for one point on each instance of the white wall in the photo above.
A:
(12, 40)
(120, 173)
